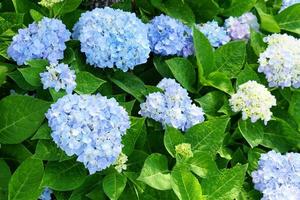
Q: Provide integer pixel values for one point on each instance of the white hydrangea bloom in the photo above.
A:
(280, 62)
(120, 164)
(254, 100)
(49, 3)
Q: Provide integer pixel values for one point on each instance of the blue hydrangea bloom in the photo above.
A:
(216, 35)
(169, 36)
(172, 107)
(59, 77)
(277, 174)
(45, 39)
(90, 127)
(288, 3)
(239, 27)
(111, 37)
(46, 194)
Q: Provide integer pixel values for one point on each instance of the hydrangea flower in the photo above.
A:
(239, 27)
(184, 149)
(169, 36)
(172, 107)
(280, 62)
(59, 77)
(288, 3)
(45, 39)
(46, 194)
(120, 164)
(49, 3)
(111, 37)
(216, 34)
(254, 100)
(278, 176)
(90, 127)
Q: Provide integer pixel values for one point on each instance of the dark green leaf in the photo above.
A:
(32, 75)
(36, 15)
(220, 81)
(48, 150)
(267, 22)
(4, 179)
(172, 138)
(87, 83)
(294, 107)
(289, 19)
(113, 185)
(238, 7)
(20, 117)
(204, 10)
(66, 6)
(252, 132)
(20, 81)
(162, 67)
(257, 43)
(211, 102)
(246, 75)
(16, 152)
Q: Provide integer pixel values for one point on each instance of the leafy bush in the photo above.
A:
(208, 57)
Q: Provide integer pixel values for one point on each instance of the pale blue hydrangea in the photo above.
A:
(277, 175)
(280, 62)
(169, 36)
(45, 40)
(288, 3)
(59, 76)
(46, 194)
(216, 34)
(172, 107)
(111, 37)
(239, 27)
(90, 127)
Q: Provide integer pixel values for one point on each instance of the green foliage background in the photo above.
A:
(226, 149)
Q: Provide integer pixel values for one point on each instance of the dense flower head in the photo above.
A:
(120, 164)
(172, 107)
(254, 100)
(184, 149)
(49, 3)
(288, 3)
(280, 62)
(216, 34)
(278, 176)
(46, 194)
(169, 36)
(59, 76)
(111, 37)
(45, 39)
(239, 27)
(89, 126)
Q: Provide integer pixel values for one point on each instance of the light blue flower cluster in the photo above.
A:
(280, 62)
(59, 76)
(89, 126)
(288, 3)
(172, 107)
(111, 37)
(45, 39)
(216, 34)
(239, 27)
(278, 176)
(169, 36)
(46, 194)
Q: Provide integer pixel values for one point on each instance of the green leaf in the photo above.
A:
(65, 6)
(289, 19)
(57, 95)
(252, 132)
(4, 179)
(162, 67)
(220, 81)
(185, 185)
(16, 152)
(42, 133)
(230, 58)
(184, 72)
(155, 172)
(132, 135)
(204, 10)
(36, 15)
(87, 83)
(204, 54)
(48, 150)
(237, 7)
(114, 184)
(294, 107)
(176, 9)
(226, 185)
(23, 7)
(207, 136)
(38, 63)
(32, 75)
(24, 183)
(257, 43)
(172, 138)
(130, 84)
(203, 164)
(246, 75)
(64, 176)
(211, 102)
(20, 117)
(267, 22)
(20, 81)
(253, 157)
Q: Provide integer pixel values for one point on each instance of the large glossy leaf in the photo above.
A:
(66, 6)
(20, 117)
(267, 22)
(289, 19)
(4, 179)
(204, 10)
(238, 7)
(252, 132)
(114, 184)
(172, 138)
(87, 83)
(26, 180)
(220, 81)
(48, 150)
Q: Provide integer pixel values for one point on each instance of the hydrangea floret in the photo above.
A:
(90, 127)
(111, 37)
(184, 149)
(49, 3)
(254, 101)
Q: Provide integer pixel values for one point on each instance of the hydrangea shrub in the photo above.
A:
(188, 100)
